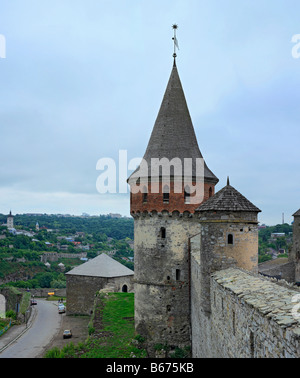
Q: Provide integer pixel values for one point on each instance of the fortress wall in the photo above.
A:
(251, 317)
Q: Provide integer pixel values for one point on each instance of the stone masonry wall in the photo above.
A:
(251, 317)
(162, 277)
(81, 291)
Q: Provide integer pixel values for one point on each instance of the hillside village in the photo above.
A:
(30, 239)
(49, 248)
(37, 250)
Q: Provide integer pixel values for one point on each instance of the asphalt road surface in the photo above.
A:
(33, 342)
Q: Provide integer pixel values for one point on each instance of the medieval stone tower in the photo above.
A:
(10, 220)
(228, 238)
(295, 255)
(164, 220)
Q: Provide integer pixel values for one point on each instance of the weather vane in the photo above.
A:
(175, 27)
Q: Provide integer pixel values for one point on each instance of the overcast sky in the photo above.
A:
(83, 80)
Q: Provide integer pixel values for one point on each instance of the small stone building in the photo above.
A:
(84, 281)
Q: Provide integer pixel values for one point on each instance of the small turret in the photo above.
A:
(229, 236)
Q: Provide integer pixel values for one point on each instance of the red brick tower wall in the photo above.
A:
(156, 201)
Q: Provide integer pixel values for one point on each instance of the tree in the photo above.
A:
(45, 279)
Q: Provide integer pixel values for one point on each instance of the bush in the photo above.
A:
(54, 353)
(91, 330)
(140, 338)
(11, 314)
(181, 352)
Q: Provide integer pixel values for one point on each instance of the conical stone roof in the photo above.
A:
(297, 213)
(228, 199)
(173, 135)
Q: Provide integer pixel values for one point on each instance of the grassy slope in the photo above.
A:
(113, 326)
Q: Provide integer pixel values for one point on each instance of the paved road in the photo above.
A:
(45, 326)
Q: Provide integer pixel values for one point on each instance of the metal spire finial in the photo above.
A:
(175, 27)
(228, 183)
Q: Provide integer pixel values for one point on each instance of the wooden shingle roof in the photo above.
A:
(228, 199)
(173, 134)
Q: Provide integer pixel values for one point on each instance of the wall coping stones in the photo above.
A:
(272, 300)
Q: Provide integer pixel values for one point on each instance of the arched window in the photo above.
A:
(210, 192)
(166, 194)
(187, 194)
(124, 289)
(229, 239)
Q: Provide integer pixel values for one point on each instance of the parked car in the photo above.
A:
(67, 334)
(61, 309)
(33, 302)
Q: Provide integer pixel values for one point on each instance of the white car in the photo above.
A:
(61, 309)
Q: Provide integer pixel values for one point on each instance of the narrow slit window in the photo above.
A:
(210, 192)
(163, 233)
(177, 274)
(230, 239)
(252, 344)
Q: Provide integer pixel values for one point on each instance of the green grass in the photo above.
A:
(113, 331)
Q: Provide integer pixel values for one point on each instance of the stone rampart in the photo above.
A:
(251, 317)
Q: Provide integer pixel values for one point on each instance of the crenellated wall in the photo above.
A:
(155, 199)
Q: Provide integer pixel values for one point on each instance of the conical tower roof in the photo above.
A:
(228, 199)
(173, 135)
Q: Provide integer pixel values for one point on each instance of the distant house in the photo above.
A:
(63, 247)
(80, 233)
(61, 266)
(85, 280)
(275, 235)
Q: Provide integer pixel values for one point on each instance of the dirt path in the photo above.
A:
(79, 327)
